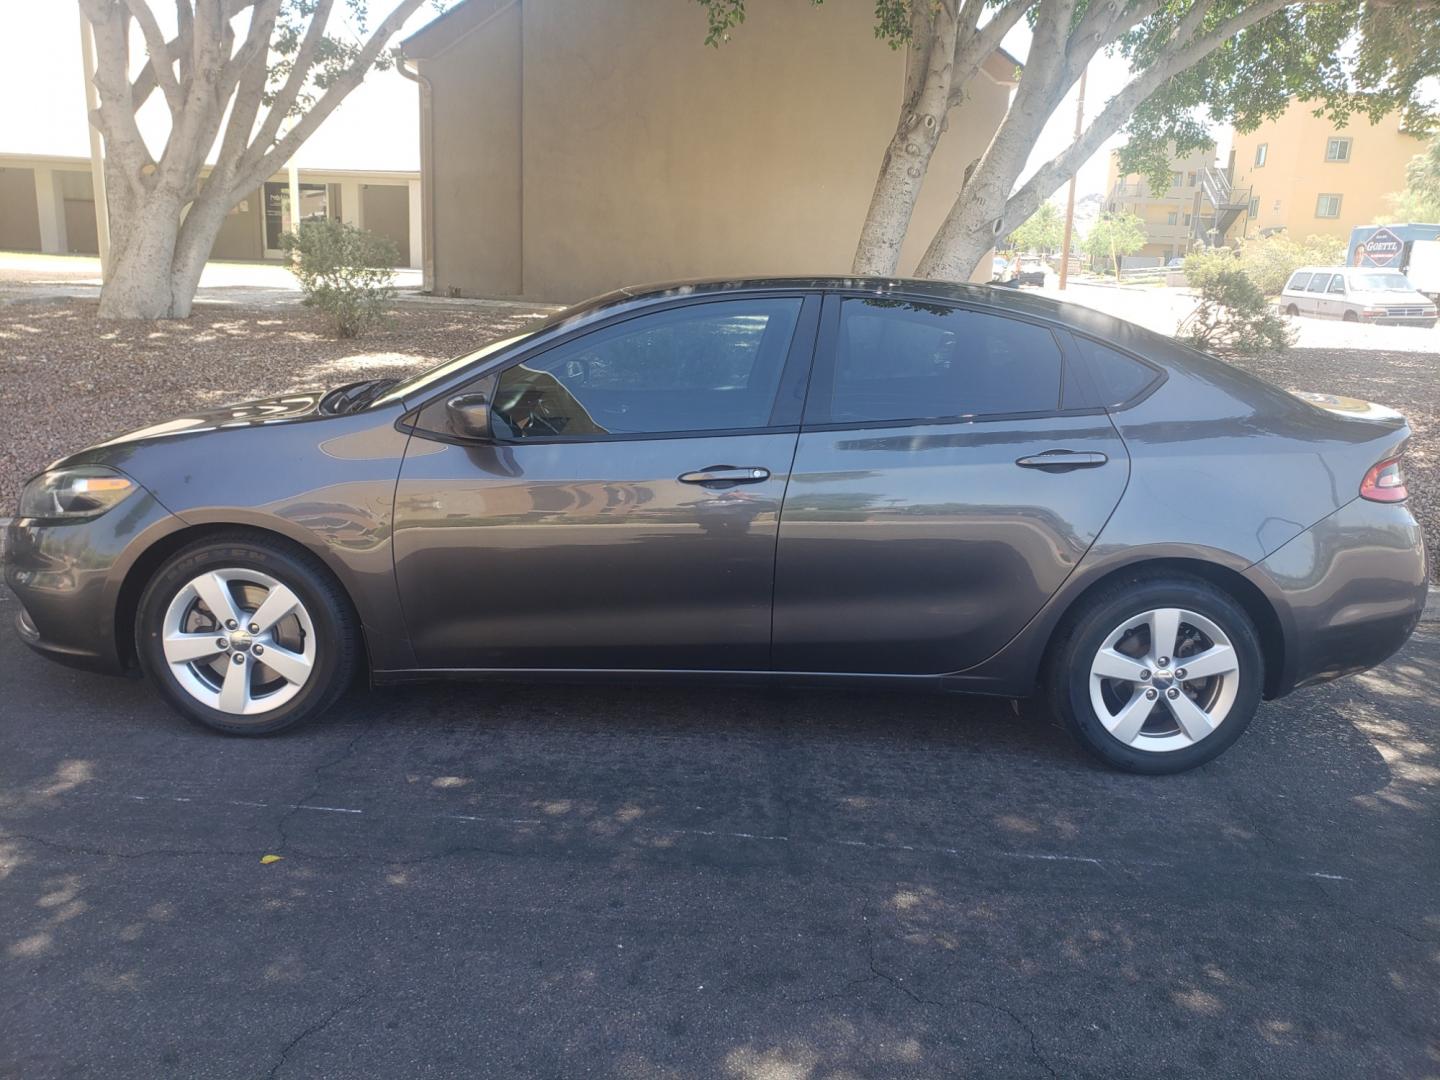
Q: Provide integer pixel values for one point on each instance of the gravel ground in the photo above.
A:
(67, 380)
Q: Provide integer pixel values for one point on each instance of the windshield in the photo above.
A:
(417, 384)
(1387, 282)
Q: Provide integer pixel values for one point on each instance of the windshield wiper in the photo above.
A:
(352, 397)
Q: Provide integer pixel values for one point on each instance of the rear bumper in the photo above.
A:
(1349, 592)
(68, 577)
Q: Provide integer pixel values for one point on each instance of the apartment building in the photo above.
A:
(1307, 175)
(1181, 216)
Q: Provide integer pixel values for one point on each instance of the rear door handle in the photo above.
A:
(726, 475)
(1063, 460)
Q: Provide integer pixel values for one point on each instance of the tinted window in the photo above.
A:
(903, 360)
(1298, 282)
(1119, 378)
(1319, 282)
(701, 367)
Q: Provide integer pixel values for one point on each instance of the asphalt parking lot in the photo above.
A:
(548, 881)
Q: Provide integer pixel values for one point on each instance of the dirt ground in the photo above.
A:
(67, 381)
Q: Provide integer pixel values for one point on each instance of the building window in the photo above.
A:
(1327, 206)
(1187, 219)
(1255, 207)
(1172, 218)
(1261, 153)
(1176, 179)
(1337, 149)
(1190, 180)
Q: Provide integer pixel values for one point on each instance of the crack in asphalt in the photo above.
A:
(282, 826)
(898, 984)
(316, 1027)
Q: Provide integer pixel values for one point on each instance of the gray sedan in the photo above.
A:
(865, 481)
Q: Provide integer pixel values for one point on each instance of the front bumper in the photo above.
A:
(1351, 591)
(68, 578)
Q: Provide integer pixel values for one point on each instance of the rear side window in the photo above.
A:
(1299, 281)
(909, 360)
(1319, 282)
(1118, 378)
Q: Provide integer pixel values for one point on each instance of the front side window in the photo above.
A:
(702, 367)
(1337, 149)
(1327, 206)
(901, 360)
(1261, 153)
(1337, 284)
(1320, 282)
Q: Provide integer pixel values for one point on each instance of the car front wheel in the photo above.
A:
(246, 636)
(1157, 675)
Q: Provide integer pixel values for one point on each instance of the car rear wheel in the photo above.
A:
(1157, 675)
(246, 636)
(1350, 316)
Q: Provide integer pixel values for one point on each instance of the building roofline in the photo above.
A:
(447, 30)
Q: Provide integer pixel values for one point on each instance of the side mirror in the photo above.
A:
(469, 416)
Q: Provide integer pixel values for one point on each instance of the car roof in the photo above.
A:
(1000, 300)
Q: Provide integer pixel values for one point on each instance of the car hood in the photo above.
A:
(1390, 297)
(272, 410)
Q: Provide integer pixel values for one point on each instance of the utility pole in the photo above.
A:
(97, 156)
(1070, 199)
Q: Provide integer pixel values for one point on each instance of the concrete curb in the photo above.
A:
(1432, 601)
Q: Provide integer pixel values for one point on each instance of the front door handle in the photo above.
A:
(726, 475)
(1063, 460)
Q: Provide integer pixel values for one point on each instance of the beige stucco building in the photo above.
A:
(1177, 218)
(1307, 175)
(569, 147)
(48, 204)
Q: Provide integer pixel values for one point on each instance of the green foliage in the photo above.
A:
(1270, 260)
(344, 271)
(1204, 265)
(1420, 201)
(1347, 58)
(334, 53)
(1233, 314)
(1114, 235)
(892, 19)
(1042, 233)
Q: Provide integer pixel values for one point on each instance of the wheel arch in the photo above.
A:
(149, 561)
(1236, 585)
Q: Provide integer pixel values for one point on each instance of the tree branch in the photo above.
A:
(162, 63)
(256, 168)
(974, 49)
(1119, 108)
(249, 69)
(285, 99)
(116, 115)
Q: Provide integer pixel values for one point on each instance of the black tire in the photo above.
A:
(1350, 316)
(336, 628)
(1084, 631)
(1292, 311)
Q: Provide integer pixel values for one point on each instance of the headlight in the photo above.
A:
(82, 492)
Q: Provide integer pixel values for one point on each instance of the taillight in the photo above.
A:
(1384, 482)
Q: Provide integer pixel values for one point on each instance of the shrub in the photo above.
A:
(1202, 264)
(344, 271)
(1233, 313)
(1270, 260)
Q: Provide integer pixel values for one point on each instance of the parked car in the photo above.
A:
(866, 483)
(1356, 294)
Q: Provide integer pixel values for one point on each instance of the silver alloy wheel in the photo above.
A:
(1164, 679)
(239, 641)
